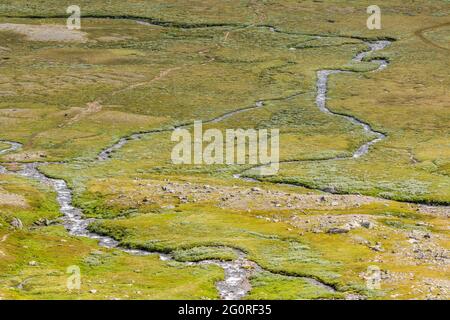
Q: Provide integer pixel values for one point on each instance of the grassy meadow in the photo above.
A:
(67, 99)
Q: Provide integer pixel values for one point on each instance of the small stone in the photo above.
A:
(330, 189)
(337, 230)
(352, 225)
(367, 224)
(93, 291)
(32, 263)
(42, 222)
(255, 189)
(16, 223)
(377, 247)
(361, 240)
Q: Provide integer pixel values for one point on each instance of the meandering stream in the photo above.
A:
(322, 89)
(236, 283)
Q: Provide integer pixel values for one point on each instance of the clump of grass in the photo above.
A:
(204, 253)
(269, 286)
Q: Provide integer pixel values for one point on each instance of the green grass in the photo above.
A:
(276, 287)
(200, 60)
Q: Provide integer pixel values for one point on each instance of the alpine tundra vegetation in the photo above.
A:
(359, 205)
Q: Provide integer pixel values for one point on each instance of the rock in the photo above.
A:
(32, 263)
(367, 224)
(330, 190)
(338, 230)
(361, 240)
(352, 225)
(255, 189)
(93, 291)
(334, 203)
(377, 247)
(42, 222)
(16, 223)
(416, 234)
(167, 189)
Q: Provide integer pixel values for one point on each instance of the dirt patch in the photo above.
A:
(45, 32)
(438, 211)
(162, 74)
(3, 239)
(11, 199)
(26, 156)
(92, 107)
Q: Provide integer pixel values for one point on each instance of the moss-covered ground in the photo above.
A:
(68, 100)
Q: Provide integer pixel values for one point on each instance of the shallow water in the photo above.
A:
(322, 88)
(236, 283)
